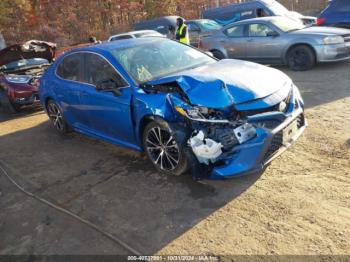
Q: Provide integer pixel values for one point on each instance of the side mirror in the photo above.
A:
(272, 34)
(108, 85)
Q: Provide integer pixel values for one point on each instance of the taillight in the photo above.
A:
(320, 21)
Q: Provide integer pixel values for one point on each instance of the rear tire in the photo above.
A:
(218, 54)
(162, 149)
(56, 116)
(301, 58)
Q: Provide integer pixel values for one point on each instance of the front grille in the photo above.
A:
(277, 139)
(346, 37)
(276, 144)
(287, 100)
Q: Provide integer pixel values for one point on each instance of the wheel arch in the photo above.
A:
(145, 120)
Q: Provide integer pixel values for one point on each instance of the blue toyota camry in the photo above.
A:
(185, 109)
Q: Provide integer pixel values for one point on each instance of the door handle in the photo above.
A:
(250, 40)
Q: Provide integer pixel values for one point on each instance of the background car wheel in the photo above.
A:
(56, 117)
(5, 104)
(301, 58)
(166, 154)
(217, 54)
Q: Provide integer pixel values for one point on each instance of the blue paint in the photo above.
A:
(220, 85)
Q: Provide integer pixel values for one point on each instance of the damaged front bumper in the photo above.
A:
(256, 153)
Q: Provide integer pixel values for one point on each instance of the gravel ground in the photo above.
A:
(299, 205)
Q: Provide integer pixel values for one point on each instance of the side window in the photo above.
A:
(193, 27)
(97, 70)
(71, 68)
(235, 31)
(258, 30)
(262, 12)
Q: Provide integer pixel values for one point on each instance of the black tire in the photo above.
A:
(168, 155)
(16, 107)
(301, 58)
(56, 116)
(217, 54)
(5, 104)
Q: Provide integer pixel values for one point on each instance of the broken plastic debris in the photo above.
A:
(206, 150)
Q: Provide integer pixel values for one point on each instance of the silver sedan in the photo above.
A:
(279, 40)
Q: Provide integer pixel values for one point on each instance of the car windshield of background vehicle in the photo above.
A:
(287, 25)
(209, 25)
(159, 58)
(24, 63)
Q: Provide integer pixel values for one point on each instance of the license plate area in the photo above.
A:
(289, 132)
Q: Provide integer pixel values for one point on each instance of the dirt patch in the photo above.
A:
(301, 204)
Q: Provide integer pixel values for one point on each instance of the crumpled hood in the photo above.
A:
(228, 82)
(28, 50)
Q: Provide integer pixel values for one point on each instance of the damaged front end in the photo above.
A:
(235, 124)
(243, 138)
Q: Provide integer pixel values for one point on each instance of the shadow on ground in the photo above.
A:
(115, 188)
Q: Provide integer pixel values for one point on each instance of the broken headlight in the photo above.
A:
(200, 114)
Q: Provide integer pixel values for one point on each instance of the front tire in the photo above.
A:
(161, 147)
(301, 58)
(56, 116)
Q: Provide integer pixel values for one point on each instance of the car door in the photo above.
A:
(68, 86)
(262, 45)
(108, 110)
(235, 41)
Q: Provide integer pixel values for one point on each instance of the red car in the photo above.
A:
(21, 67)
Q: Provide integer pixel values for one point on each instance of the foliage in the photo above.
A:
(71, 22)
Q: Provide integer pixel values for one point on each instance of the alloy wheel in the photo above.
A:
(299, 58)
(162, 148)
(55, 116)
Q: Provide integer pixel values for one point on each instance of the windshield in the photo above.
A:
(24, 63)
(209, 25)
(159, 58)
(287, 25)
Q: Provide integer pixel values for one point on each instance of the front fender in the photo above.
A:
(147, 107)
(299, 41)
